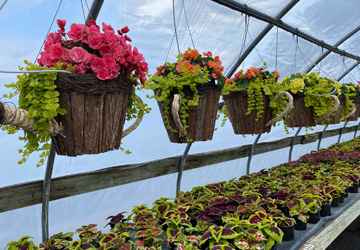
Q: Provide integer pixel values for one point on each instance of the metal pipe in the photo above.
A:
(251, 154)
(260, 37)
(181, 167)
(46, 194)
(243, 8)
(320, 138)
(356, 129)
(33, 71)
(94, 10)
(341, 131)
(350, 34)
(292, 142)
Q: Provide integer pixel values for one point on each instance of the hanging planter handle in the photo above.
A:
(333, 110)
(285, 111)
(350, 114)
(175, 111)
(136, 123)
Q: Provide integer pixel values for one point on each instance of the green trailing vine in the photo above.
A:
(38, 95)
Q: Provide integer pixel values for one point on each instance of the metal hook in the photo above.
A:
(292, 142)
(251, 153)
(181, 167)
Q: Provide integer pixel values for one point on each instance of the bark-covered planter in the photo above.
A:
(201, 120)
(299, 115)
(356, 101)
(96, 113)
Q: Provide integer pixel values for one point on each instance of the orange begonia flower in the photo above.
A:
(228, 81)
(192, 53)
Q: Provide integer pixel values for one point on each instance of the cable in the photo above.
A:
(49, 30)
(256, 48)
(173, 36)
(277, 45)
(187, 24)
(176, 35)
(82, 7)
(87, 6)
(3, 4)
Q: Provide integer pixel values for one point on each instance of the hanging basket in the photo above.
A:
(355, 116)
(201, 120)
(302, 116)
(335, 118)
(236, 104)
(96, 113)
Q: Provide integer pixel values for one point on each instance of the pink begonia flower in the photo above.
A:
(45, 60)
(96, 63)
(61, 24)
(125, 29)
(80, 68)
(78, 55)
(91, 23)
(127, 38)
(103, 73)
(55, 51)
(95, 40)
(109, 61)
(54, 37)
(65, 58)
(76, 31)
(131, 59)
(143, 66)
(122, 40)
(110, 37)
(92, 29)
(104, 49)
(117, 51)
(114, 72)
(107, 28)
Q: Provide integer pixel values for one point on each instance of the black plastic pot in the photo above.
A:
(335, 202)
(346, 192)
(325, 210)
(288, 233)
(300, 226)
(286, 211)
(342, 198)
(354, 188)
(314, 217)
(274, 247)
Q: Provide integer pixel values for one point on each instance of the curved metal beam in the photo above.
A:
(261, 35)
(320, 138)
(351, 33)
(181, 167)
(251, 153)
(243, 8)
(292, 142)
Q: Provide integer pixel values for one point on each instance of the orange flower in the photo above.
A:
(160, 69)
(192, 53)
(185, 64)
(276, 74)
(228, 81)
(207, 54)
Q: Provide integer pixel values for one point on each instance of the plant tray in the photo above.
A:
(96, 113)
(236, 104)
(201, 119)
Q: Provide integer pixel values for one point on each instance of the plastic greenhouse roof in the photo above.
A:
(213, 27)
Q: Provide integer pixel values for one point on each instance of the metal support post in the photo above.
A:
(46, 194)
(341, 131)
(292, 142)
(357, 126)
(251, 153)
(320, 138)
(181, 167)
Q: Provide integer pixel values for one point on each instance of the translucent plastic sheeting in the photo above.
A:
(214, 28)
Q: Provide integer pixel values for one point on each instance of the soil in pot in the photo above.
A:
(288, 233)
(314, 217)
(325, 210)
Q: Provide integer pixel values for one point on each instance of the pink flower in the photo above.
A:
(78, 69)
(125, 29)
(117, 51)
(114, 71)
(61, 24)
(104, 49)
(109, 61)
(103, 73)
(55, 51)
(95, 40)
(78, 55)
(76, 31)
(107, 28)
(54, 37)
(65, 58)
(127, 38)
(45, 60)
(96, 63)
(91, 23)
(110, 37)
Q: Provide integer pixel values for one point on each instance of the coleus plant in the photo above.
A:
(219, 236)
(24, 243)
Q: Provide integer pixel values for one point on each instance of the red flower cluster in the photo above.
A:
(250, 75)
(193, 62)
(89, 50)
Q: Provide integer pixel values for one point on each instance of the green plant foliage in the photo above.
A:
(23, 244)
(38, 95)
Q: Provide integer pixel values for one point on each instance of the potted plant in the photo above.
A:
(251, 100)
(24, 243)
(315, 100)
(92, 102)
(188, 93)
(286, 225)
